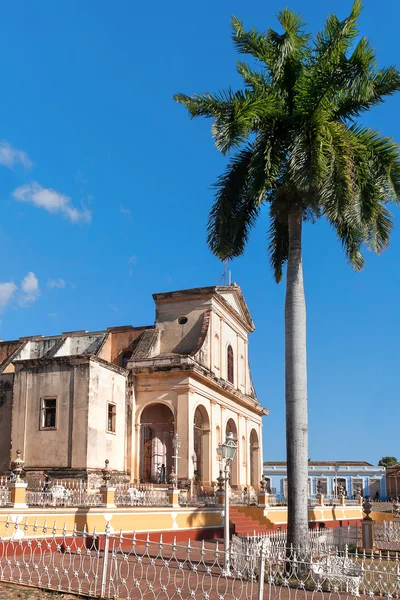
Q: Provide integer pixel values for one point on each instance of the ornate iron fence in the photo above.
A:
(136, 497)
(113, 566)
(60, 496)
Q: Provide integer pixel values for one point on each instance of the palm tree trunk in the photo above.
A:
(296, 387)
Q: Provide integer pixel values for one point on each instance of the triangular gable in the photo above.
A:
(232, 294)
(233, 301)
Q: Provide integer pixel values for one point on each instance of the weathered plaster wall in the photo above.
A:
(64, 446)
(6, 395)
(7, 349)
(226, 331)
(176, 337)
(106, 386)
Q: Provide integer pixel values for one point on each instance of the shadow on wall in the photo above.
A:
(190, 338)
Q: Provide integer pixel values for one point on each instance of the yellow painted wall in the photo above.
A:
(140, 520)
(380, 517)
(147, 519)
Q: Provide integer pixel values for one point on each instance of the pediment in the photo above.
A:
(233, 296)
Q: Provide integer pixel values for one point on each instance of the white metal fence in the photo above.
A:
(4, 493)
(113, 566)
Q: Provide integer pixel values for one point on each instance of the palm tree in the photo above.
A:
(297, 147)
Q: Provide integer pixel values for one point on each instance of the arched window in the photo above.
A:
(201, 444)
(230, 368)
(125, 357)
(216, 351)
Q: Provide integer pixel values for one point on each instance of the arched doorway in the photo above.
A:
(201, 446)
(157, 430)
(231, 428)
(254, 459)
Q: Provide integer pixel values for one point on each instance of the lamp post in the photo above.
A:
(227, 451)
(176, 444)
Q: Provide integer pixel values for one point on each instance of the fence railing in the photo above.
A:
(322, 539)
(136, 497)
(112, 566)
(312, 501)
(79, 493)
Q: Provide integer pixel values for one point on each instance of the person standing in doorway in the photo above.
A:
(162, 474)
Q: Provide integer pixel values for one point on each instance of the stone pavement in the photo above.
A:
(17, 592)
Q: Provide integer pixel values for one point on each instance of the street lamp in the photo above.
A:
(176, 444)
(227, 451)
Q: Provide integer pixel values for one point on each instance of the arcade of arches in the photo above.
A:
(157, 429)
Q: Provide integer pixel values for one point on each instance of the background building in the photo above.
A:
(69, 402)
(331, 477)
(393, 481)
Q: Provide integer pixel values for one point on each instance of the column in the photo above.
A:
(183, 427)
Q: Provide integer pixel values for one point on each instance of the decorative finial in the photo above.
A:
(367, 507)
(17, 465)
(263, 483)
(106, 472)
(221, 481)
(173, 478)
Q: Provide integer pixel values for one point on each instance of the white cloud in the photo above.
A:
(52, 201)
(29, 288)
(10, 157)
(28, 292)
(132, 260)
(57, 283)
(6, 293)
(30, 283)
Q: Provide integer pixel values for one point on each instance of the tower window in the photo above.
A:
(49, 413)
(111, 418)
(230, 368)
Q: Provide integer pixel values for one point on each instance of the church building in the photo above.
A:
(70, 401)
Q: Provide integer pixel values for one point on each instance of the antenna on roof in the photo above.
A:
(226, 275)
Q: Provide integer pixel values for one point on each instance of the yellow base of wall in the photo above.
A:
(277, 516)
(139, 520)
(158, 519)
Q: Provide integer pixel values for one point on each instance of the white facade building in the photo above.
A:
(331, 478)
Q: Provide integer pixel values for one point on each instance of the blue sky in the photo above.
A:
(105, 192)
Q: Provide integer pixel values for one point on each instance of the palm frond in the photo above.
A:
(352, 239)
(236, 114)
(326, 73)
(365, 91)
(234, 211)
(278, 235)
(257, 81)
(377, 233)
(239, 193)
(250, 42)
(289, 52)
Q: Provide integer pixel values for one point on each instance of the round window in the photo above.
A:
(182, 320)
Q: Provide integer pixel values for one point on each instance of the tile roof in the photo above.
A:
(142, 346)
